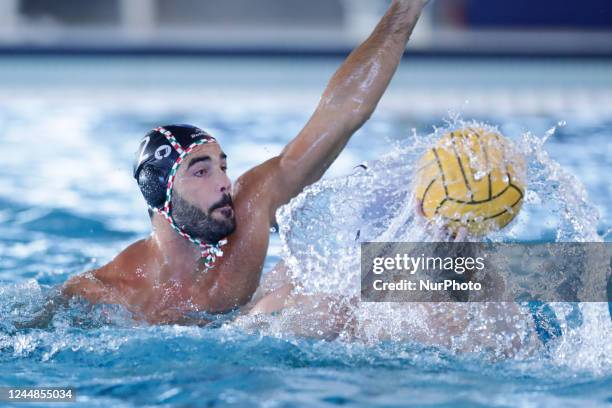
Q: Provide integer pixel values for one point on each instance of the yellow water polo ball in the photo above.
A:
(473, 178)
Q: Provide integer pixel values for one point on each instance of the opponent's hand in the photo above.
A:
(440, 233)
(446, 235)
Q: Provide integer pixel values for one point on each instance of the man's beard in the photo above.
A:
(200, 224)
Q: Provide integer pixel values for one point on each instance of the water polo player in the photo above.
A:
(210, 239)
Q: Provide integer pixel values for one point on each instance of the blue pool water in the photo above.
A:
(68, 204)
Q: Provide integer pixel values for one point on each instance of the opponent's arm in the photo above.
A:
(347, 103)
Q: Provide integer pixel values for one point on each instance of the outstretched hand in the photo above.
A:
(440, 233)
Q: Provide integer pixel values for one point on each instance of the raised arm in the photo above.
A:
(347, 103)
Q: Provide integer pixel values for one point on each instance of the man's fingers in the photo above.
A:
(444, 234)
(441, 234)
(419, 208)
(460, 234)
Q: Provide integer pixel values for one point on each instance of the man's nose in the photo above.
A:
(226, 185)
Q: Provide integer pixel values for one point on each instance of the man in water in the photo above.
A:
(210, 238)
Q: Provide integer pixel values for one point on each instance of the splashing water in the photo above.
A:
(321, 231)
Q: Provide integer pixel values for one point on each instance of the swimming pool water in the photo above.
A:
(68, 203)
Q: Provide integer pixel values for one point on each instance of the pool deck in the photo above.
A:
(502, 86)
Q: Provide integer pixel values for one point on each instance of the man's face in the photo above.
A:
(201, 199)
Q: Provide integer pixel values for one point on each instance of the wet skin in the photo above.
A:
(160, 279)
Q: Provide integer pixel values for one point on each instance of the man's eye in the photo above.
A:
(200, 173)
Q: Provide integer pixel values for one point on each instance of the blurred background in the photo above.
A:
(461, 26)
(519, 56)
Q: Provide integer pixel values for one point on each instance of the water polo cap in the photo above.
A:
(157, 160)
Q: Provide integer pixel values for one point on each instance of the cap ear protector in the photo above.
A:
(152, 182)
(161, 152)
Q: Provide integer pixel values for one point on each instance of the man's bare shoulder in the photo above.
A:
(106, 284)
(130, 263)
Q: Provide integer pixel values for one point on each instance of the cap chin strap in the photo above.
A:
(209, 252)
